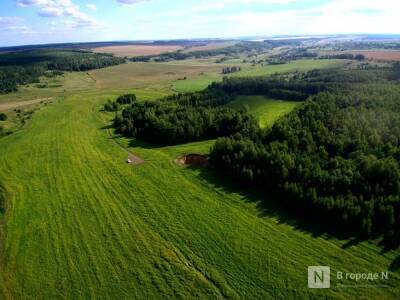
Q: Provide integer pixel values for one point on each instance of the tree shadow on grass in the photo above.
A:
(395, 265)
(352, 242)
(133, 142)
(271, 206)
(142, 144)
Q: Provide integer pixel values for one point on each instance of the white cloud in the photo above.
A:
(91, 6)
(62, 8)
(51, 12)
(334, 17)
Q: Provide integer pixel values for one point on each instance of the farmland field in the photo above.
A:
(142, 74)
(386, 55)
(137, 50)
(81, 223)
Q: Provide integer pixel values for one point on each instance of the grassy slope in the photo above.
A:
(63, 85)
(200, 82)
(85, 224)
(266, 110)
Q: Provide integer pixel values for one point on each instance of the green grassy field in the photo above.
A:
(266, 110)
(66, 84)
(199, 82)
(81, 223)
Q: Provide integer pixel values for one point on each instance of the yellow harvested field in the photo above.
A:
(380, 54)
(136, 50)
(15, 104)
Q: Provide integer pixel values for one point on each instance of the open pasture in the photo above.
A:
(134, 75)
(69, 82)
(266, 110)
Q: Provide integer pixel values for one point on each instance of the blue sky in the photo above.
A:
(55, 21)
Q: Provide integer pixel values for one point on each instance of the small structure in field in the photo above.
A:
(134, 160)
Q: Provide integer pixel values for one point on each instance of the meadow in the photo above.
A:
(81, 223)
(266, 110)
(143, 74)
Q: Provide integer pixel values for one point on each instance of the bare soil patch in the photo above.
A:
(137, 50)
(192, 160)
(134, 160)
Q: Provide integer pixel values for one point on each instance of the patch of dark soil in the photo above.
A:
(193, 160)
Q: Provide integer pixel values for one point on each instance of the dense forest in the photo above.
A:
(184, 118)
(336, 157)
(27, 66)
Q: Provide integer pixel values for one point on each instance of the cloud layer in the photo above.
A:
(62, 8)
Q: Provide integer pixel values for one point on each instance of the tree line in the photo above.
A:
(228, 70)
(119, 102)
(25, 67)
(343, 56)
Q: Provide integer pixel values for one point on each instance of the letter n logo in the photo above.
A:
(319, 277)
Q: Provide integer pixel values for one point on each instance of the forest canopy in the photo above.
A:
(184, 118)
